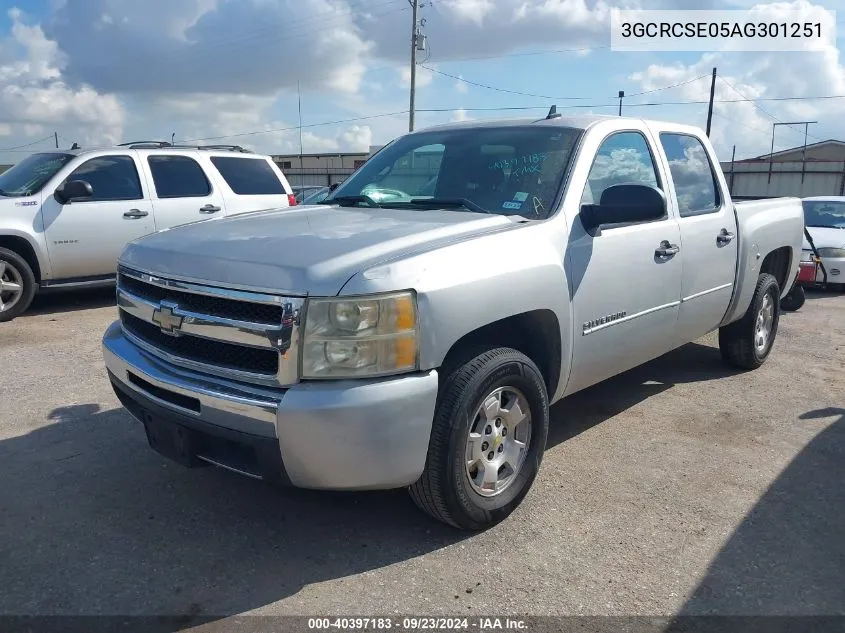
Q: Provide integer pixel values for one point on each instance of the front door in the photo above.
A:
(708, 237)
(625, 294)
(85, 237)
(182, 192)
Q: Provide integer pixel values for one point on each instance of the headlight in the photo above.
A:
(831, 252)
(354, 337)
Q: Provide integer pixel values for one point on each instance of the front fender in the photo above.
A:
(465, 286)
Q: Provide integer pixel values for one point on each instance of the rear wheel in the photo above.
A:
(487, 441)
(17, 285)
(747, 343)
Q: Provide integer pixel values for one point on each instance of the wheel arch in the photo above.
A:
(22, 247)
(535, 333)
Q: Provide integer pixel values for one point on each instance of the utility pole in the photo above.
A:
(173, 138)
(56, 134)
(804, 154)
(299, 106)
(710, 107)
(415, 5)
(621, 95)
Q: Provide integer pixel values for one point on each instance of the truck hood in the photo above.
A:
(824, 237)
(305, 250)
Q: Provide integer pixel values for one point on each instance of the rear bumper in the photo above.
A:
(339, 435)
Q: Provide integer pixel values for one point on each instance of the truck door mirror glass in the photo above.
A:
(624, 204)
(74, 190)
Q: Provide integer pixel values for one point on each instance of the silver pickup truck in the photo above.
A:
(413, 330)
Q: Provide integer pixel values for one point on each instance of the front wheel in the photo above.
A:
(487, 440)
(17, 285)
(747, 343)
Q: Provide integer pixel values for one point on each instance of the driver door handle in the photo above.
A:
(134, 214)
(666, 249)
(725, 236)
(209, 208)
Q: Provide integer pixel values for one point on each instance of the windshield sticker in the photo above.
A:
(520, 196)
(28, 203)
(511, 205)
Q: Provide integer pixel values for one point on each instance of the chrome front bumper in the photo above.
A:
(338, 435)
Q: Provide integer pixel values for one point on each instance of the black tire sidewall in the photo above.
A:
(768, 285)
(29, 283)
(514, 370)
(794, 300)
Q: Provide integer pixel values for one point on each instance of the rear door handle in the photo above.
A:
(725, 236)
(134, 214)
(209, 208)
(666, 249)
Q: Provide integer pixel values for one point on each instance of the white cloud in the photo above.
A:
(756, 75)
(33, 92)
(423, 77)
(461, 115)
(460, 86)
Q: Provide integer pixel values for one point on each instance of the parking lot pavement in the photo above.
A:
(679, 487)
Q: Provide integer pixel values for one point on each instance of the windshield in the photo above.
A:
(512, 170)
(32, 173)
(824, 213)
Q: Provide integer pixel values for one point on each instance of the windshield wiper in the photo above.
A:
(351, 201)
(824, 226)
(450, 203)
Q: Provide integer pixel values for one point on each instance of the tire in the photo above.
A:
(739, 342)
(15, 270)
(794, 300)
(444, 490)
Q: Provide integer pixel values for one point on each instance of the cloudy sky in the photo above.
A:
(106, 71)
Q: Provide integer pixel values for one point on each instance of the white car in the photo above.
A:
(824, 217)
(65, 215)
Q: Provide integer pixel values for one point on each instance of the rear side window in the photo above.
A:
(695, 182)
(178, 177)
(248, 176)
(110, 177)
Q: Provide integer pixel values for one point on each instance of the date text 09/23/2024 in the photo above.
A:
(416, 623)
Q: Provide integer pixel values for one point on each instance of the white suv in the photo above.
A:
(66, 215)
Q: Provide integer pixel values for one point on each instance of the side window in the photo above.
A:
(110, 177)
(178, 177)
(695, 182)
(623, 158)
(248, 176)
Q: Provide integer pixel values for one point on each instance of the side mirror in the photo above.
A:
(623, 204)
(73, 190)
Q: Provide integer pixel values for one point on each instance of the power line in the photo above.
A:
(760, 108)
(18, 147)
(296, 127)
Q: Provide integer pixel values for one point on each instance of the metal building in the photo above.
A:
(817, 170)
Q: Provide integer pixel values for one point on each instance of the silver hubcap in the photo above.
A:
(498, 441)
(11, 286)
(765, 320)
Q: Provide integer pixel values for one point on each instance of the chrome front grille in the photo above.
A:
(240, 335)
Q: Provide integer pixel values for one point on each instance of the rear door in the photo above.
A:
(624, 292)
(85, 237)
(708, 234)
(253, 183)
(181, 190)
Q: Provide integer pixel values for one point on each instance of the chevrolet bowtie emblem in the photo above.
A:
(165, 318)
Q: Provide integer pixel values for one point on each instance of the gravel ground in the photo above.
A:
(681, 487)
